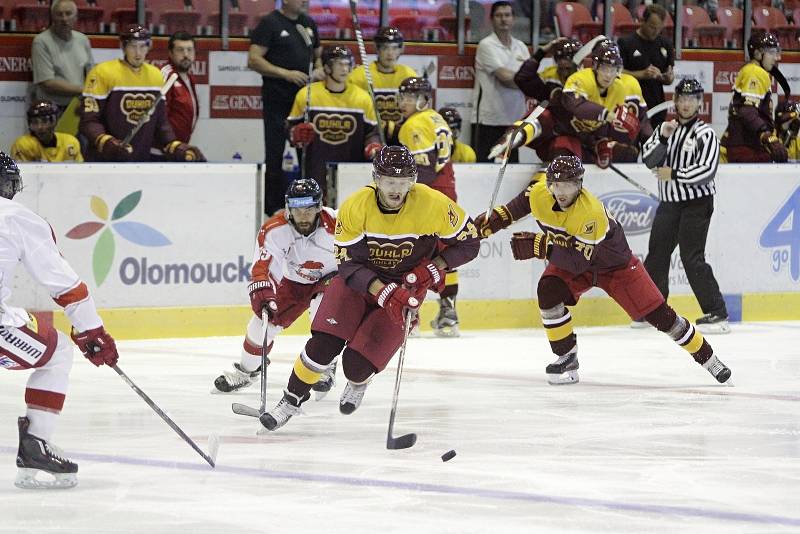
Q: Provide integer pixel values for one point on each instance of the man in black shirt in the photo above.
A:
(649, 57)
(280, 53)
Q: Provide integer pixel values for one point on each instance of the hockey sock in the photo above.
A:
(318, 354)
(450, 285)
(681, 331)
(357, 368)
(557, 323)
(251, 355)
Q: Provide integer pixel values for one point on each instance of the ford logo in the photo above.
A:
(633, 210)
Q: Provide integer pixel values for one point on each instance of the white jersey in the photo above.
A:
(283, 252)
(25, 237)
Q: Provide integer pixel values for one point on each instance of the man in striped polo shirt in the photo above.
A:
(684, 155)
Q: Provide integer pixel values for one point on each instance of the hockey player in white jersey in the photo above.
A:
(293, 264)
(25, 344)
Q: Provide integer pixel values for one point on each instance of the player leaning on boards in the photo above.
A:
(684, 156)
(24, 344)
(292, 265)
(43, 142)
(462, 152)
(586, 249)
(385, 232)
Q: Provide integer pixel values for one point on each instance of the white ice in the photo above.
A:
(646, 442)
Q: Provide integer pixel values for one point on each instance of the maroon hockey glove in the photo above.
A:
(499, 218)
(775, 148)
(625, 121)
(302, 135)
(97, 345)
(603, 150)
(112, 149)
(370, 150)
(395, 300)
(426, 275)
(527, 245)
(262, 295)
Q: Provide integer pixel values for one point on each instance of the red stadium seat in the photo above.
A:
(450, 25)
(575, 21)
(621, 21)
(699, 29)
(90, 17)
(125, 16)
(773, 20)
(175, 15)
(31, 17)
(240, 20)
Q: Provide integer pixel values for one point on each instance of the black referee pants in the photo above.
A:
(685, 224)
(275, 183)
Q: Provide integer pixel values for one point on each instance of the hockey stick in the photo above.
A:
(633, 182)
(658, 108)
(586, 49)
(243, 409)
(406, 440)
(304, 34)
(144, 119)
(533, 115)
(362, 51)
(213, 440)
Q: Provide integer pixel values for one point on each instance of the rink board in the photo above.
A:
(165, 249)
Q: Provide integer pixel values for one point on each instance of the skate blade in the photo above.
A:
(564, 379)
(26, 479)
(243, 409)
(319, 395)
(640, 325)
(447, 331)
(714, 329)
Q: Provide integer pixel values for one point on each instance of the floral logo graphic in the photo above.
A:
(135, 232)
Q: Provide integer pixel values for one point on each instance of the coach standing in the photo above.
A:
(278, 51)
(684, 155)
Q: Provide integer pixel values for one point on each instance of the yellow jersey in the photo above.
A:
(28, 148)
(625, 89)
(385, 85)
(463, 153)
(429, 139)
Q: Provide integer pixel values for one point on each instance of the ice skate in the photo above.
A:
(288, 406)
(718, 370)
(230, 381)
(35, 456)
(352, 396)
(713, 323)
(563, 371)
(446, 322)
(325, 383)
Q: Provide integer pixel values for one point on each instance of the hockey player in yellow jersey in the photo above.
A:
(541, 84)
(43, 143)
(341, 119)
(428, 137)
(387, 245)
(750, 136)
(116, 95)
(462, 152)
(386, 73)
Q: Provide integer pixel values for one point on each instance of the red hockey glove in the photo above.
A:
(262, 295)
(178, 151)
(498, 219)
(370, 150)
(527, 245)
(626, 122)
(426, 275)
(775, 148)
(603, 150)
(302, 135)
(97, 345)
(395, 300)
(112, 149)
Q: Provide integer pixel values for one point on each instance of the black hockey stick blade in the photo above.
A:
(405, 441)
(243, 409)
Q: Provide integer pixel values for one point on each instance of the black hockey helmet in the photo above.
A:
(452, 117)
(760, 41)
(331, 53)
(394, 161)
(415, 86)
(565, 169)
(388, 35)
(303, 193)
(688, 86)
(44, 109)
(134, 32)
(566, 49)
(10, 177)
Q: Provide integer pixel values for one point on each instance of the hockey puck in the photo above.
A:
(449, 455)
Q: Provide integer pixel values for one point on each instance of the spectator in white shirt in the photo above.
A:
(496, 100)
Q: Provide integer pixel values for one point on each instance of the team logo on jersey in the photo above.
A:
(634, 211)
(71, 152)
(387, 107)
(389, 255)
(334, 128)
(309, 270)
(134, 105)
(589, 227)
(135, 232)
(452, 215)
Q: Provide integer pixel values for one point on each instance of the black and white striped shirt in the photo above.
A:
(692, 151)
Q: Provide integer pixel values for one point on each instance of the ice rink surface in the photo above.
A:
(646, 442)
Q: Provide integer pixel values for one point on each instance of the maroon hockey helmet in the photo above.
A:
(415, 86)
(135, 32)
(388, 35)
(760, 41)
(331, 53)
(10, 178)
(394, 161)
(452, 117)
(607, 53)
(566, 49)
(44, 109)
(565, 169)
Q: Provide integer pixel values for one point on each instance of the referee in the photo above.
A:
(684, 156)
